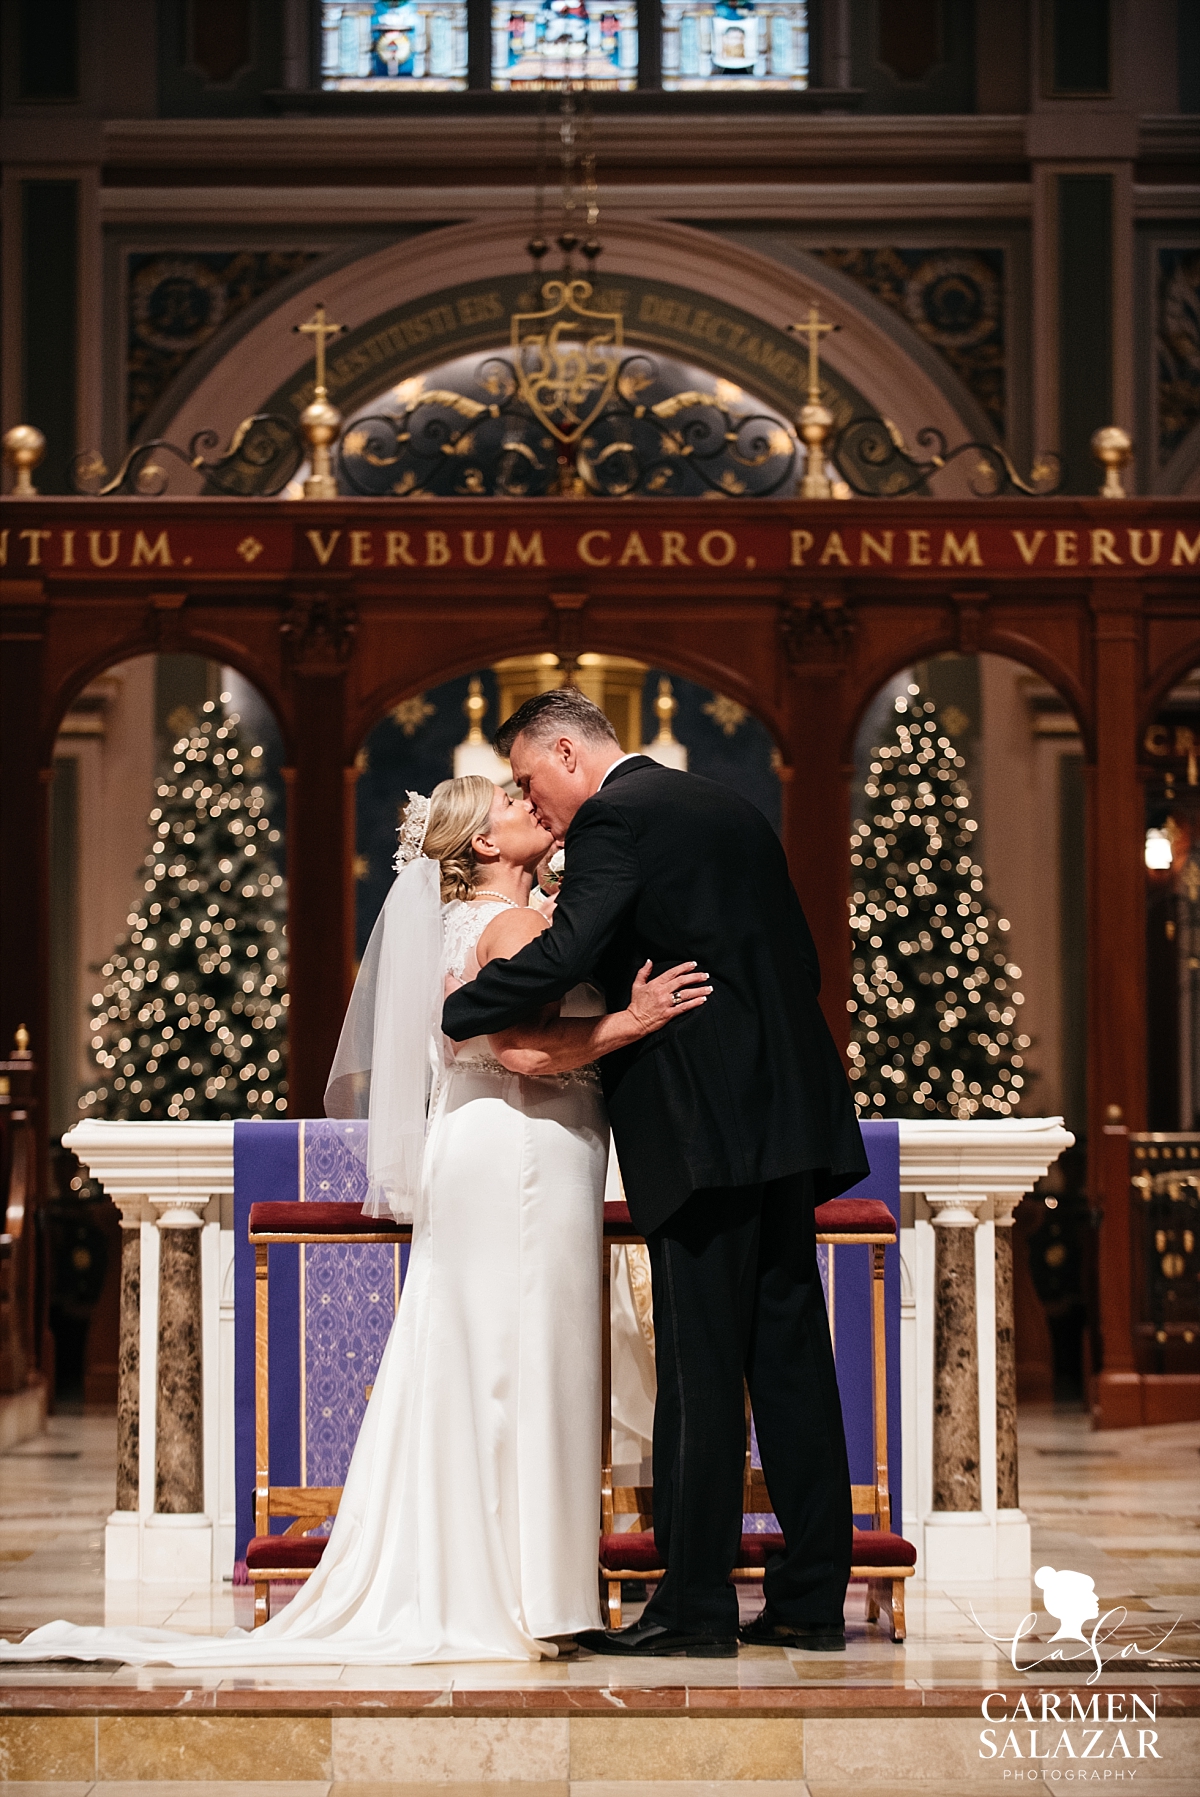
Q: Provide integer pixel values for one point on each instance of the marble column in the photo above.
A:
(179, 1433)
(129, 1362)
(956, 1475)
(1006, 1361)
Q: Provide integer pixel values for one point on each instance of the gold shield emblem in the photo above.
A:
(566, 358)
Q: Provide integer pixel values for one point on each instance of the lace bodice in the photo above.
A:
(463, 924)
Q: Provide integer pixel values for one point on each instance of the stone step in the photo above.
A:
(579, 1741)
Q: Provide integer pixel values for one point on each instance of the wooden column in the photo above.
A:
(24, 837)
(1116, 980)
(815, 633)
(25, 949)
(319, 630)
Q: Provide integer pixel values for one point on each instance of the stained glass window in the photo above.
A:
(538, 42)
(377, 45)
(746, 44)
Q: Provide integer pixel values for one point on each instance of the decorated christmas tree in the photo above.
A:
(935, 1012)
(191, 1021)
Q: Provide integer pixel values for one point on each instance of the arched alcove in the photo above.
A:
(1011, 740)
(679, 290)
(114, 744)
(412, 747)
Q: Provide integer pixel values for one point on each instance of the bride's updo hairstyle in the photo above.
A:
(458, 810)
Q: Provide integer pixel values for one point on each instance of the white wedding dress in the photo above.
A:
(468, 1527)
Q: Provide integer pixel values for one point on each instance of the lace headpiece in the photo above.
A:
(412, 830)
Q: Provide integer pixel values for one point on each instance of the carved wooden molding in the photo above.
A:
(318, 635)
(815, 628)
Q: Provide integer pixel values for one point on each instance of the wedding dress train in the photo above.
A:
(469, 1520)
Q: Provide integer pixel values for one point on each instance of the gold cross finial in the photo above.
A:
(814, 329)
(317, 327)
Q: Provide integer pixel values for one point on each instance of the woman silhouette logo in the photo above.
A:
(1070, 1597)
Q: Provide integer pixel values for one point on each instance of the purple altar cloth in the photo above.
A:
(332, 1307)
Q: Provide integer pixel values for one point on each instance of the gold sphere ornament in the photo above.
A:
(1112, 448)
(321, 423)
(814, 424)
(24, 447)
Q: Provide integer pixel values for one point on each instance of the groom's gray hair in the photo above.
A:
(563, 712)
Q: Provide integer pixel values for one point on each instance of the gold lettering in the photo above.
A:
(1066, 548)
(437, 549)
(1157, 740)
(674, 549)
(717, 548)
(397, 549)
(1029, 550)
(525, 555)
(801, 540)
(68, 548)
(478, 308)
(145, 552)
(1104, 548)
(469, 556)
(114, 544)
(360, 549)
(873, 546)
(34, 558)
(918, 549)
(321, 548)
(634, 550)
(1135, 547)
(961, 553)
(1184, 549)
(834, 547)
(583, 548)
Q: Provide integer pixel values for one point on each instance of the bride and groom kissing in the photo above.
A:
(671, 998)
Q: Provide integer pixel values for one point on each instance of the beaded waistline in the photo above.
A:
(577, 1076)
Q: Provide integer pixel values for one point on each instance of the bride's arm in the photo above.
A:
(558, 1044)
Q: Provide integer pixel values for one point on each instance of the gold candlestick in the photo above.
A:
(320, 421)
(815, 420)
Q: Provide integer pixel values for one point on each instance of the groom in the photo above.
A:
(730, 1126)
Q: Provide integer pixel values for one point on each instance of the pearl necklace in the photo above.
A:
(486, 892)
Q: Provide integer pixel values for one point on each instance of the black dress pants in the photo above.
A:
(737, 1292)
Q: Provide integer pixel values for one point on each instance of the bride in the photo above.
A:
(468, 1524)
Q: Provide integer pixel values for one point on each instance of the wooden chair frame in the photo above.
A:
(885, 1584)
(308, 1505)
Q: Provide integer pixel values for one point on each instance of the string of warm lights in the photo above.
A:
(934, 1010)
(191, 1021)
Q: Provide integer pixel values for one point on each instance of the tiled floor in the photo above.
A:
(1123, 1506)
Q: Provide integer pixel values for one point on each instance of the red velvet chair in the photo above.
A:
(295, 1553)
(880, 1559)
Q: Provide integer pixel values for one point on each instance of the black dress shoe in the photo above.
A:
(814, 1637)
(644, 1637)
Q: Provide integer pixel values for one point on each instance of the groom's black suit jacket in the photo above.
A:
(669, 867)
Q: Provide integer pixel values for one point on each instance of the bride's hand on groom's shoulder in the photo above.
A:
(654, 1002)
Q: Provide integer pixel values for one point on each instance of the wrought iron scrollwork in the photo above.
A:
(263, 454)
(876, 463)
(446, 443)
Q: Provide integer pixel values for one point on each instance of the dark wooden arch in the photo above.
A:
(335, 610)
